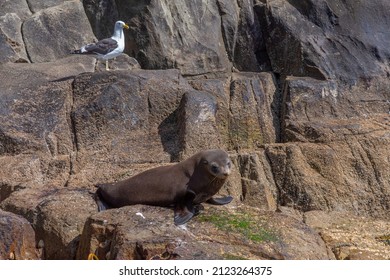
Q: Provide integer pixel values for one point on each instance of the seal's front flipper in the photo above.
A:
(182, 215)
(220, 200)
(184, 208)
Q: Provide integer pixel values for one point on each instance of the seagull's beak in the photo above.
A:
(125, 26)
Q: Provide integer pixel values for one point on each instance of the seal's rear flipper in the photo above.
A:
(101, 205)
(99, 201)
(197, 208)
(220, 200)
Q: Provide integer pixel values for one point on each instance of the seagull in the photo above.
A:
(107, 48)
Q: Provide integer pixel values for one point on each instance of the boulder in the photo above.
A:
(142, 103)
(340, 176)
(242, 34)
(258, 188)
(38, 5)
(57, 215)
(19, 7)
(17, 238)
(327, 39)
(121, 62)
(35, 115)
(11, 40)
(252, 119)
(170, 34)
(54, 32)
(198, 125)
(334, 158)
(307, 100)
(36, 137)
(352, 237)
(60, 219)
(219, 232)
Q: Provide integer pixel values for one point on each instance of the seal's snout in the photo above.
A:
(224, 172)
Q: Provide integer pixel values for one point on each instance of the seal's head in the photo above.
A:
(217, 163)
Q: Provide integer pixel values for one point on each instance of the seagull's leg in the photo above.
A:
(107, 69)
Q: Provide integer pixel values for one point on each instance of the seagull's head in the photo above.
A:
(121, 24)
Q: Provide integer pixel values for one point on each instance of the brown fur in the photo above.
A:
(183, 185)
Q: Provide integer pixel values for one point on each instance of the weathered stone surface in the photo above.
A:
(122, 62)
(248, 114)
(170, 34)
(160, 38)
(38, 5)
(35, 114)
(57, 214)
(219, 88)
(198, 124)
(17, 238)
(341, 176)
(141, 103)
(29, 124)
(242, 34)
(11, 40)
(33, 75)
(54, 32)
(102, 15)
(252, 119)
(352, 237)
(36, 142)
(18, 7)
(144, 232)
(327, 39)
(25, 200)
(60, 219)
(345, 166)
(308, 101)
(258, 186)
(30, 171)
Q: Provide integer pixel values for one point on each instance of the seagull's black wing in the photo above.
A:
(102, 47)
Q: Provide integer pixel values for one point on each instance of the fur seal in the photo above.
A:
(183, 185)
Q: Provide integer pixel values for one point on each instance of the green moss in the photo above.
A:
(242, 224)
(245, 134)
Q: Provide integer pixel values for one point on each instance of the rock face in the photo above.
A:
(296, 91)
(53, 32)
(327, 39)
(42, 31)
(351, 237)
(171, 37)
(17, 238)
(11, 40)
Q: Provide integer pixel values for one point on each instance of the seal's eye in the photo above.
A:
(205, 161)
(214, 168)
